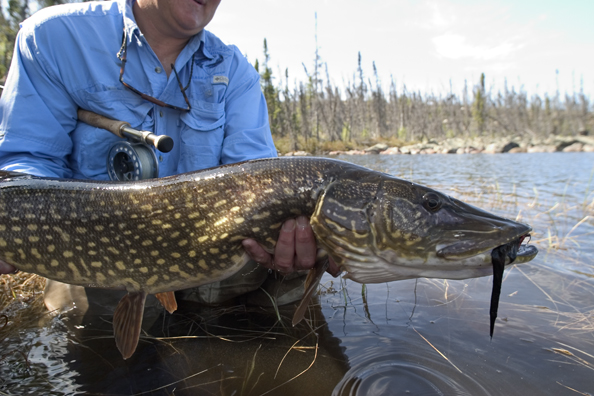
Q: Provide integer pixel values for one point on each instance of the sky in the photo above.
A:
(431, 46)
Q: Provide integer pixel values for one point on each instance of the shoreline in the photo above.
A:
(474, 146)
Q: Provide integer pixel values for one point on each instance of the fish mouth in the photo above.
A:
(515, 251)
(479, 243)
(475, 231)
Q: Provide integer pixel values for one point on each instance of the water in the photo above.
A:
(417, 337)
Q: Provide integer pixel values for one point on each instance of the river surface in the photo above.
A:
(413, 337)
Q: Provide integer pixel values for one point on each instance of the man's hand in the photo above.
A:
(295, 249)
(6, 268)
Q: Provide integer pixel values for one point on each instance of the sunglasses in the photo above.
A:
(122, 57)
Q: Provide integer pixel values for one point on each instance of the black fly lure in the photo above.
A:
(498, 256)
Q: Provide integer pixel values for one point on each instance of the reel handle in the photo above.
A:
(122, 129)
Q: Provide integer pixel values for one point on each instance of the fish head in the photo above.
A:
(412, 231)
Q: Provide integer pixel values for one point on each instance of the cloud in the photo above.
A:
(455, 46)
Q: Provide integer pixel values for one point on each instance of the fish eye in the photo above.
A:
(431, 202)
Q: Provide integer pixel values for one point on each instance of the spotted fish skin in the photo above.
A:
(154, 235)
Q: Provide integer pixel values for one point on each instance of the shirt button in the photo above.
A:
(160, 158)
(160, 113)
(158, 69)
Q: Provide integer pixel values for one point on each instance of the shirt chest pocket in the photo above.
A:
(202, 134)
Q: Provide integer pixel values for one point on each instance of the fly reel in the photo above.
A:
(134, 159)
(131, 161)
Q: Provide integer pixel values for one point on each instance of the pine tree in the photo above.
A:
(269, 90)
(479, 105)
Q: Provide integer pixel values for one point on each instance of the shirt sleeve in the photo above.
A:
(247, 131)
(36, 112)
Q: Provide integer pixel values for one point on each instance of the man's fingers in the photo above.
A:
(295, 249)
(257, 253)
(305, 245)
(284, 251)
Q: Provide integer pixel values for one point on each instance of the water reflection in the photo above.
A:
(224, 351)
(198, 350)
(439, 330)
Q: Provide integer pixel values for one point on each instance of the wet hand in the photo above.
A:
(295, 249)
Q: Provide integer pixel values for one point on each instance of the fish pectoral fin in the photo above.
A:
(311, 285)
(127, 320)
(167, 299)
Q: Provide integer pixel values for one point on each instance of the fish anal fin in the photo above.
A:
(311, 286)
(127, 320)
(167, 299)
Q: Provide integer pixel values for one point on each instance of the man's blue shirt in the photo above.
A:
(66, 58)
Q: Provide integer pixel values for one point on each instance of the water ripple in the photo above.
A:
(380, 372)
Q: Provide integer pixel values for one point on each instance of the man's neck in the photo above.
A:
(165, 44)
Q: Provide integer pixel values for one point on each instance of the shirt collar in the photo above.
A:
(130, 26)
(204, 43)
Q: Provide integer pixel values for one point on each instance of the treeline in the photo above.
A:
(316, 115)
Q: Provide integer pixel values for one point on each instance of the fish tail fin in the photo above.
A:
(127, 320)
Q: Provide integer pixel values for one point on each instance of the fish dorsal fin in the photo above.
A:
(167, 299)
(127, 320)
(311, 284)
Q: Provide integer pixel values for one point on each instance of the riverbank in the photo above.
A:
(476, 145)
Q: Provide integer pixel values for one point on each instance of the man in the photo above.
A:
(152, 64)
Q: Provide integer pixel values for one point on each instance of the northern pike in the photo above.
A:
(161, 235)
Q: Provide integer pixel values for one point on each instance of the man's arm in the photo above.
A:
(36, 112)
